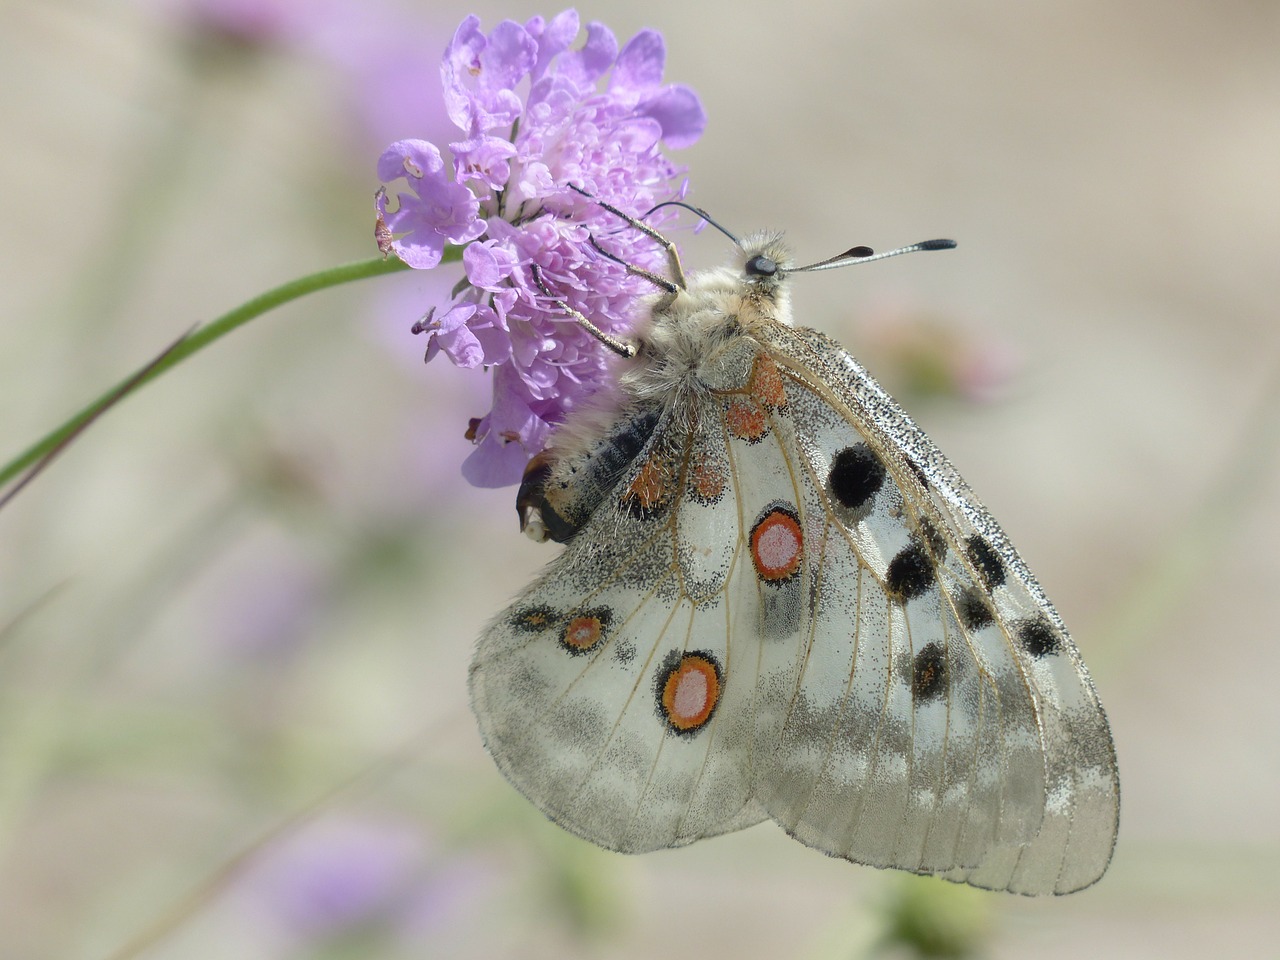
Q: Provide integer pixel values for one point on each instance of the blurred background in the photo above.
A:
(235, 617)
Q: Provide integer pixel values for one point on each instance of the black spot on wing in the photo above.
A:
(973, 609)
(987, 562)
(1038, 637)
(929, 674)
(910, 573)
(856, 476)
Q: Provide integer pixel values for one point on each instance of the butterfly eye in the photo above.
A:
(761, 266)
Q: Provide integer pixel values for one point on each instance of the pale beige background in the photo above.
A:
(1109, 171)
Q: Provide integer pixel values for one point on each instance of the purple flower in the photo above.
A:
(537, 120)
(348, 875)
(247, 22)
(336, 873)
(439, 210)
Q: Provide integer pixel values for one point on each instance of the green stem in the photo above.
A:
(200, 338)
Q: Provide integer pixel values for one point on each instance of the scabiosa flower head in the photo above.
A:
(538, 119)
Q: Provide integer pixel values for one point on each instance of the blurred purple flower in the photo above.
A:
(344, 874)
(335, 873)
(375, 46)
(280, 592)
(252, 23)
(510, 193)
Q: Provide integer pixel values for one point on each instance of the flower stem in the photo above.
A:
(197, 340)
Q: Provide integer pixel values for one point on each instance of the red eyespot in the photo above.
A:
(777, 545)
(688, 691)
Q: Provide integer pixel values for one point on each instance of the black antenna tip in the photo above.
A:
(937, 245)
(856, 253)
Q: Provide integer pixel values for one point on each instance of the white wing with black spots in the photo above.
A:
(1011, 767)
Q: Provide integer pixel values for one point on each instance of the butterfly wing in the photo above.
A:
(941, 719)
(610, 692)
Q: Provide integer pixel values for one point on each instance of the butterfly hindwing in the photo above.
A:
(608, 735)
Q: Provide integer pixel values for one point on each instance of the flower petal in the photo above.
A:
(461, 58)
(487, 265)
(640, 64)
(411, 159)
(553, 39)
(594, 59)
(679, 111)
(509, 57)
(484, 158)
(494, 464)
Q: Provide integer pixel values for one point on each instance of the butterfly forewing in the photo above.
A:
(885, 741)
(1050, 804)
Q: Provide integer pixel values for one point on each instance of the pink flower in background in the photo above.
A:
(385, 85)
(921, 355)
(537, 119)
(335, 873)
(248, 22)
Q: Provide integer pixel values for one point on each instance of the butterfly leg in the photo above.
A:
(677, 280)
(668, 288)
(620, 347)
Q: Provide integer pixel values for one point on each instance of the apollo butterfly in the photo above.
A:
(778, 600)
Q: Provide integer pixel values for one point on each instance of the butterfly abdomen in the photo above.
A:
(562, 489)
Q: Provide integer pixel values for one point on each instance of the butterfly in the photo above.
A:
(778, 600)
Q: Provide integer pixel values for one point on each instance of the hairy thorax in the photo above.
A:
(695, 343)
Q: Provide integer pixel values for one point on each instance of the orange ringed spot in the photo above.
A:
(777, 544)
(688, 690)
(584, 632)
(766, 383)
(746, 420)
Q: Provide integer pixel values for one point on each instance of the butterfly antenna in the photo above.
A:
(866, 255)
(697, 211)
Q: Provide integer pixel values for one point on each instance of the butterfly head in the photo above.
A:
(766, 260)
(763, 263)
